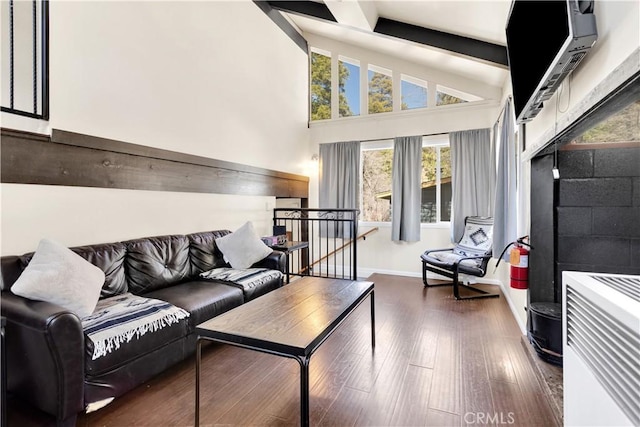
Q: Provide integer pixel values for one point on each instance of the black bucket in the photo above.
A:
(545, 330)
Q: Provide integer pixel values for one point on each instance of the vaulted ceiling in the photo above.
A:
(466, 37)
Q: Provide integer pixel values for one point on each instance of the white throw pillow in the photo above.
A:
(58, 275)
(243, 247)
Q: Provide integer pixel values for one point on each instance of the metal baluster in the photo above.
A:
(34, 13)
(11, 56)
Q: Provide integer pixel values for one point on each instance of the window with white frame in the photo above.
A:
(448, 96)
(414, 92)
(380, 90)
(362, 88)
(349, 86)
(377, 165)
(320, 85)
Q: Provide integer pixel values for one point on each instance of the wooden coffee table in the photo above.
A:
(292, 321)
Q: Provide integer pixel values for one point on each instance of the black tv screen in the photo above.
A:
(536, 32)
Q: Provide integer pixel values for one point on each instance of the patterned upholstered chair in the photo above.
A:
(469, 256)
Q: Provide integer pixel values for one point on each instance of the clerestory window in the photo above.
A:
(320, 85)
(344, 86)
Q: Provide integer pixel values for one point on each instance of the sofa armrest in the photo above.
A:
(45, 355)
(276, 260)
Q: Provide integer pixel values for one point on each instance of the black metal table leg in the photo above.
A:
(3, 361)
(288, 263)
(304, 390)
(198, 353)
(373, 321)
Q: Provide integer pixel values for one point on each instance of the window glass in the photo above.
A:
(377, 165)
(380, 90)
(447, 96)
(376, 184)
(436, 184)
(320, 86)
(445, 184)
(429, 206)
(349, 85)
(414, 93)
(622, 127)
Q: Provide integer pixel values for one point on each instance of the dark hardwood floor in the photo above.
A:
(437, 362)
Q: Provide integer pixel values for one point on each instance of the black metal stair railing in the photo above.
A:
(331, 235)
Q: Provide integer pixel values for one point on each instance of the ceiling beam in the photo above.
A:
(304, 8)
(473, 48)
(452, 42)
(354, 13)
(284, 25)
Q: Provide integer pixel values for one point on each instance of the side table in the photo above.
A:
(288, 248)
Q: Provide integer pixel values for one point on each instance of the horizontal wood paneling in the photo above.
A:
(68, 158)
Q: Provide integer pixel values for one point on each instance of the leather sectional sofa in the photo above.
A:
(49, 357)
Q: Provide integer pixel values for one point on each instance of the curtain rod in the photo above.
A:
(384, 139)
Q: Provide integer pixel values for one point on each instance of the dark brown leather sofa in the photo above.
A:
(49, 361)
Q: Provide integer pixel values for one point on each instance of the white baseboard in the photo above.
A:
(366, 272)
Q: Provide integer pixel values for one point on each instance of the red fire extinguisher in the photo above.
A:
(519, 260)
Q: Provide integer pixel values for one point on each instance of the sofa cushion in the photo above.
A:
(118, 320)
(202, 299)
(58, 275)
(445, 259)
(243, 247)
(203, 251)
(156, 262)
(252, 281)
(108, 257)
(134, 349)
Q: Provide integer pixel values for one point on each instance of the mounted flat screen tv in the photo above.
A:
(546, 40)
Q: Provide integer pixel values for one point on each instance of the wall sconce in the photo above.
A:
(312, 166)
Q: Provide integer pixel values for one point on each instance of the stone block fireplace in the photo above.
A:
(588, 219)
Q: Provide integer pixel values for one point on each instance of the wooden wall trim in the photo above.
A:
(73, 159)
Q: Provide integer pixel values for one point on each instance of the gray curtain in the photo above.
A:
(492, 169)
(406, 189)
(505, 219)
(470, 177)
(339, 180)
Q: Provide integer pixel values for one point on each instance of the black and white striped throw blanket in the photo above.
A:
(118, 319)
(247, 278)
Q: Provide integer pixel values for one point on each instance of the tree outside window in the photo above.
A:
(377, 167)
(376, 185)
(436, 188)
(321, 87)
(380, 92)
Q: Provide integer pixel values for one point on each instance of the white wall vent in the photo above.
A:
(601, 349)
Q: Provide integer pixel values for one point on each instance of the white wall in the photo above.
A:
(429, 121)
(215, 79)
(77, 216)
(379, 254)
